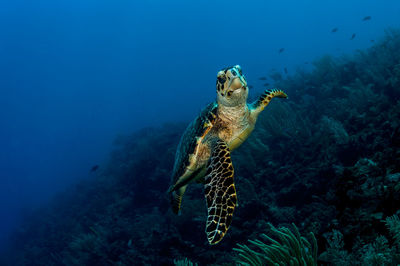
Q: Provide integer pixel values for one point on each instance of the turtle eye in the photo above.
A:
(221, 80)
(229, 93)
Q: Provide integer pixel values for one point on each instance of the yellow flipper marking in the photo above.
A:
(267, 96)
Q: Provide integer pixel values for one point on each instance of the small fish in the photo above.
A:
(266, 84)
(94, 168)
(285, 69)
(275, 75)
(251, 86)
(353, 36)
(366, 18)
(281, 50)
(334, 30)
(262, 78)
(372, 40)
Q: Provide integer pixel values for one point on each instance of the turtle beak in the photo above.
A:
(237, 83)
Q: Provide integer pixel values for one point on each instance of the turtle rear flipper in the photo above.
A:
(220, 192)
(176, 199)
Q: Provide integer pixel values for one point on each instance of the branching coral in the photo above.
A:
(377, 253)
(283, 120)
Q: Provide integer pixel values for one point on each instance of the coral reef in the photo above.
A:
(328, 160)
(379, 252)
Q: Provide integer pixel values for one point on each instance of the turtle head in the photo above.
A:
(232, 87)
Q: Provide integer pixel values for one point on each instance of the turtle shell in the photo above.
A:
(195, 131)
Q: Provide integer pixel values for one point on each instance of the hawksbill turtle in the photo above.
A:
(203, 154)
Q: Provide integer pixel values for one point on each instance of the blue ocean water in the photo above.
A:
(74, 75)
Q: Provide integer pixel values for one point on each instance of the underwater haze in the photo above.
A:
(113, 84)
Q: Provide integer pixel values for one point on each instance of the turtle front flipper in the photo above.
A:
(258, 106)
(220, 192)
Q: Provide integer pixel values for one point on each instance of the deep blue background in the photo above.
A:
(74, 74)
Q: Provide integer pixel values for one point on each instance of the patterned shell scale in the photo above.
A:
(196, 129)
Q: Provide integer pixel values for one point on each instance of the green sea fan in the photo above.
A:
(393, 225)
(290, 249)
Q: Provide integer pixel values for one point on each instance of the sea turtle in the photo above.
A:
(203, 154)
